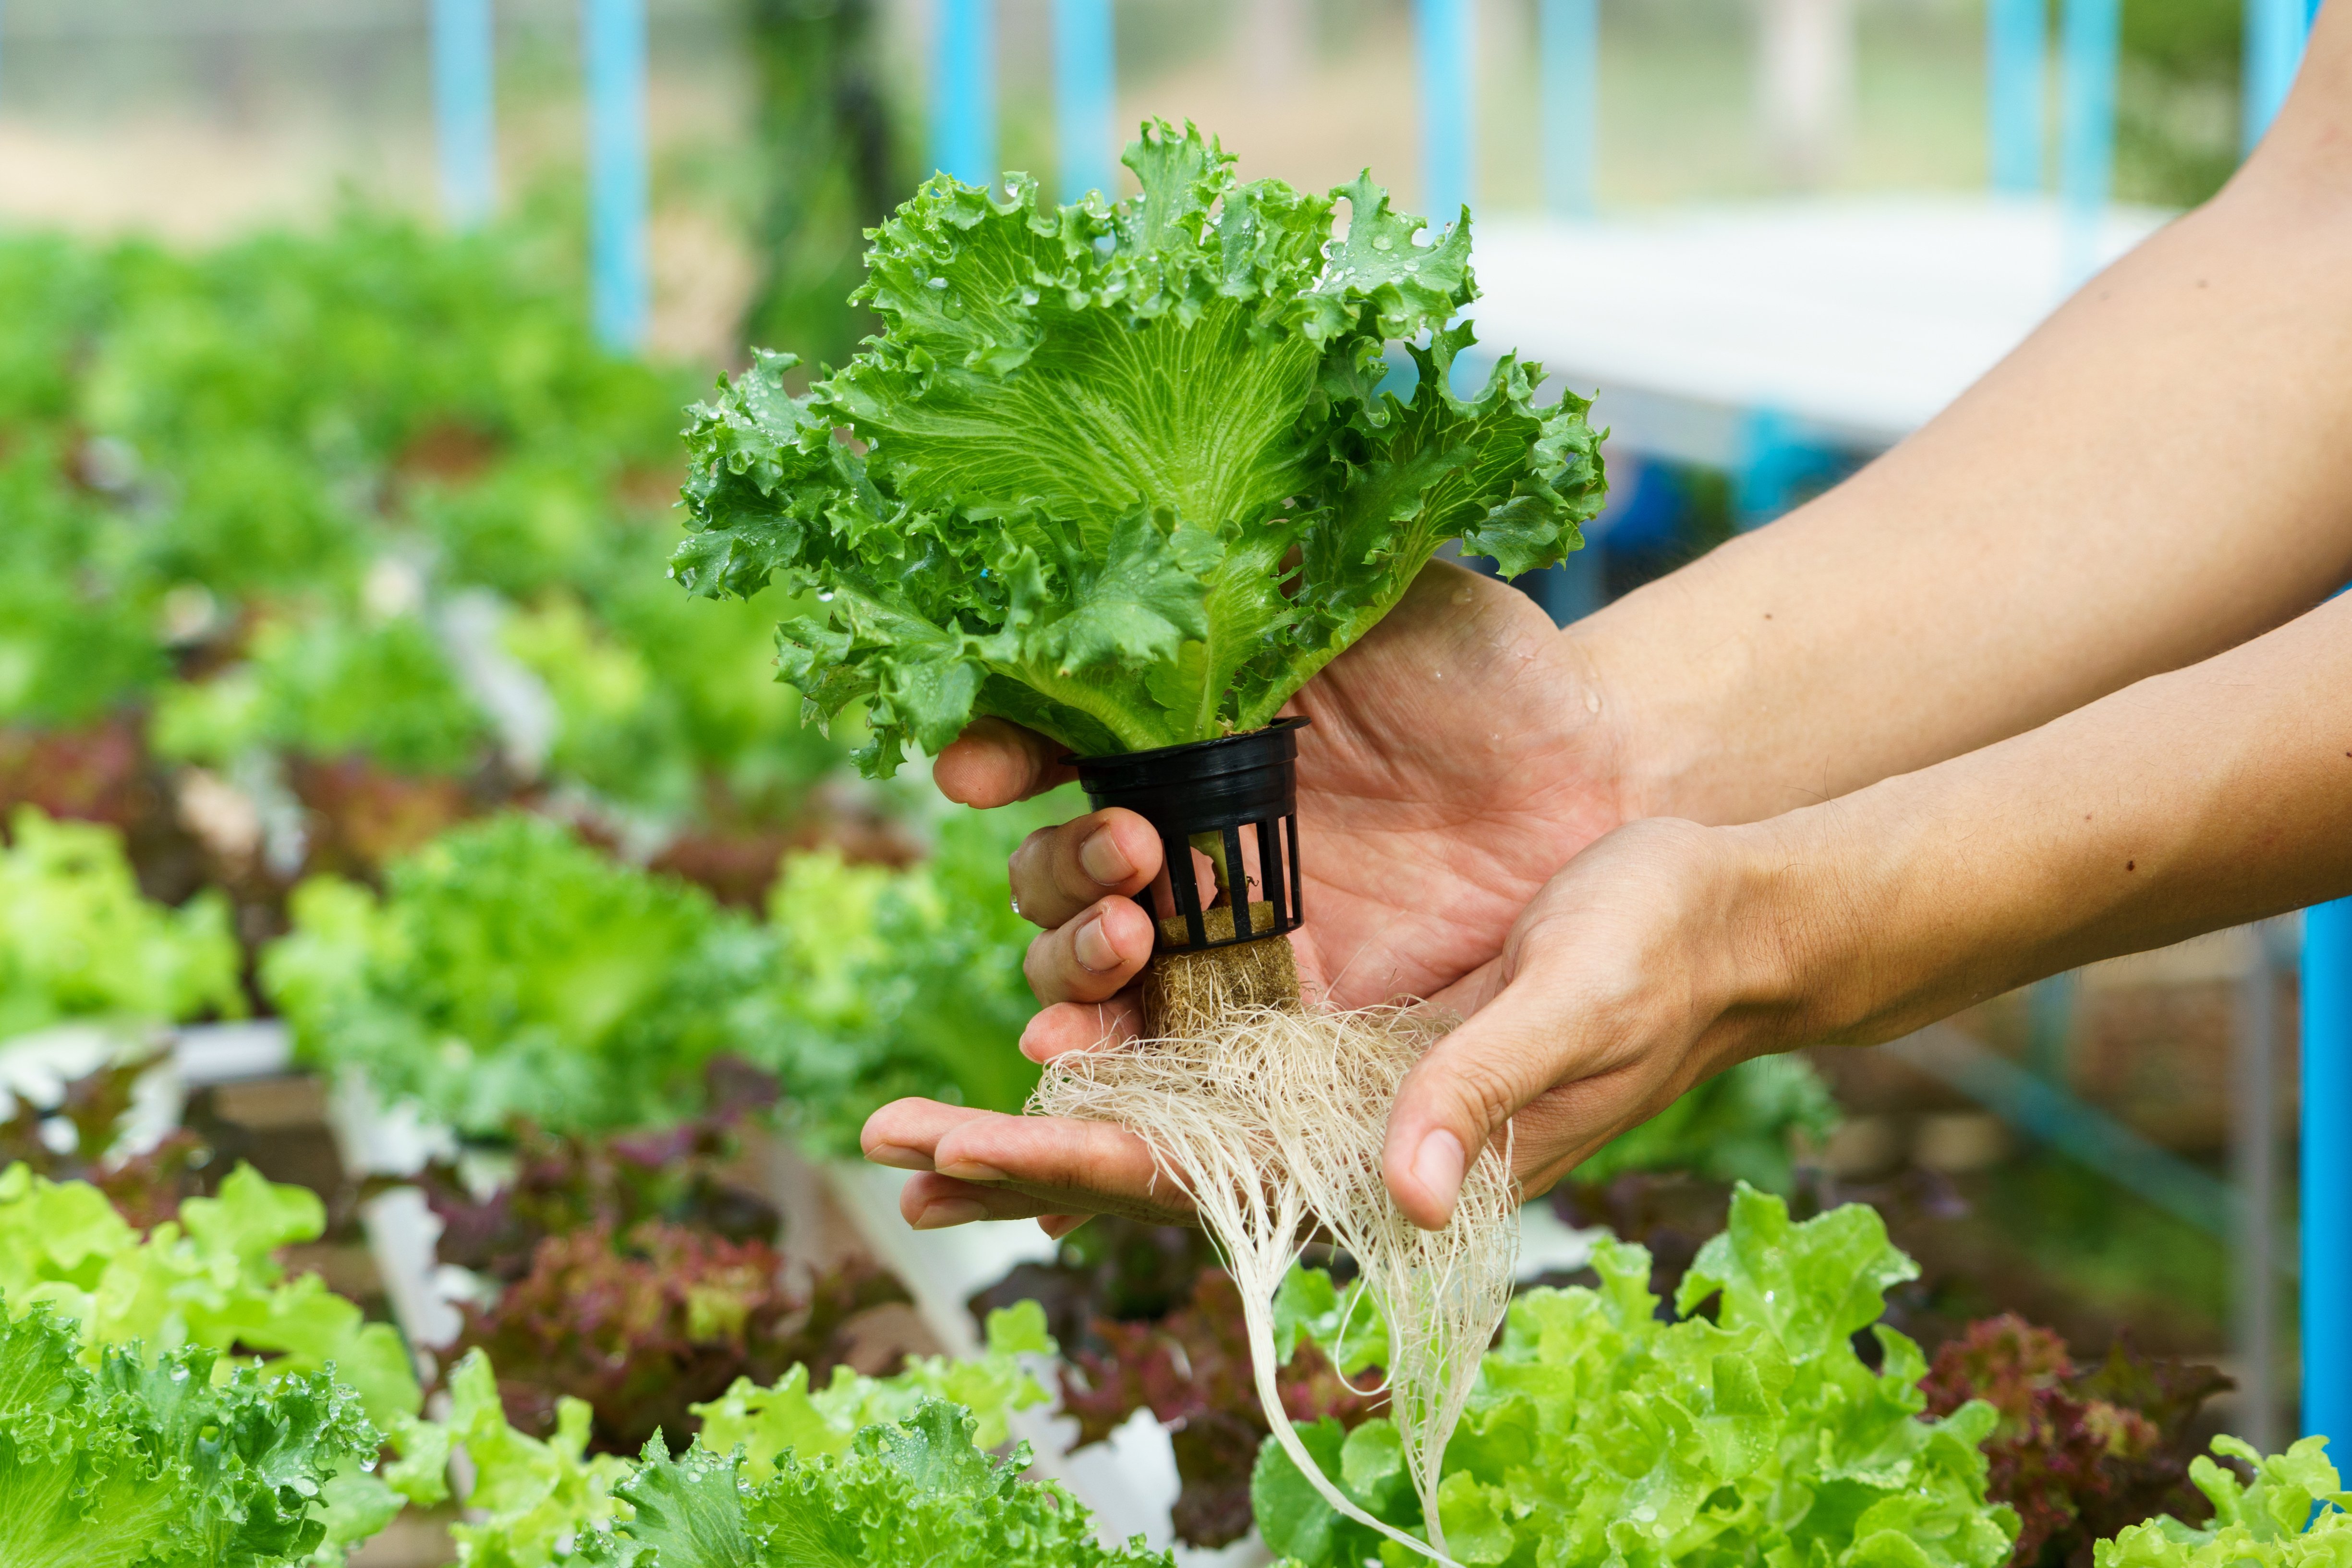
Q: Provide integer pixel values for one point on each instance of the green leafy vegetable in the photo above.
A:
(111, 1460)
(2079, 1453)
(543, 1503)
(920, 1492)
(1740, 1125)
(78, 941)
(906, 983)
(1599, 1435)
(207, 1279)
(2292, 1516)
(644, 1324)
(510, 970)
(1123, 473)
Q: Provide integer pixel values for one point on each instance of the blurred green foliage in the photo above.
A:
(340, 494)
(2176, 99)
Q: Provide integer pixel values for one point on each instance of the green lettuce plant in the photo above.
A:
(2291, 1515)
(77, 940)
(510, 970)
(534, 1502)
(1124, 473)
(1599, 1435)
(111, 1460)
(208, 1279)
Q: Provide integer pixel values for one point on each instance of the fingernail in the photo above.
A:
(1091, 947)
(1057, 1225)
(1437, 1166)
(1104, 861)
(898, 1157)
(945, 1212)
(971, 1170)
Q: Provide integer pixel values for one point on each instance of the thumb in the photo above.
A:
(1462, 1094)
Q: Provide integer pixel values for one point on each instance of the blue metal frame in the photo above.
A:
(465, 121)
(1568, 63)
(2017, 84)
(2090, 34)
(1085, 96)
(1448, 114)
(2326, 1183)
(613, 53)
(963, 91)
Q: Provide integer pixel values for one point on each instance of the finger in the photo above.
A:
(903, 1134)
(994, 762)
(1082, 1027)
(1057, 1225)
(1460, 1095)
(1090, 1167)
(934, 1203)
(1058, 871)
(1092, 957)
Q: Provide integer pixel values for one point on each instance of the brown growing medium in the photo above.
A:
(1270, 1116)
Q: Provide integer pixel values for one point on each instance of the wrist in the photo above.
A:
(1799, 971)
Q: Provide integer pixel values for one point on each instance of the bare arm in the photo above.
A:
(2161, 471)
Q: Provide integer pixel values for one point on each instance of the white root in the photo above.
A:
(1271, 1119)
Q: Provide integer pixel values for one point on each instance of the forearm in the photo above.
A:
(2187, 802)
(2160, 472)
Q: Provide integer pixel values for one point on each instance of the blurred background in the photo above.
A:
(343, 344)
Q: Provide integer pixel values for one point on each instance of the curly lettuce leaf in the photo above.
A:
(2292, 1515)
(130, 1463)
(209, 1279)
(917, 1491)
(1599, 1435)
(1123, 473)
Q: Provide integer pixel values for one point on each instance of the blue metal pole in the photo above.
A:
(2086, 137)
(1448, 118)
(2017, 67)
(2326, 1196)
(963, 91)
(2275, 30)
(612, 50)
(464, 114)
(1086, 82)
(1568, 49)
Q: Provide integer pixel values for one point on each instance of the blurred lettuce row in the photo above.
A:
(867, 1470)
(366, 526)
(79, 942)
(508, 970)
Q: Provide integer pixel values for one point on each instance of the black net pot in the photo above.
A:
(1235, 801)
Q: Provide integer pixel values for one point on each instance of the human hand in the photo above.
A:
(1460, 754)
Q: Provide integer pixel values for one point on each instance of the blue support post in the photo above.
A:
(1448, 116)
(2275, 30)
(963, 91)
(1568, 49)
(2017, 83)
(613, 53)
(465, 123)
(2326, 1168)
(2092, 36)
(1086, 100)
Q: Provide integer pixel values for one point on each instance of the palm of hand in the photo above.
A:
(1455, 762)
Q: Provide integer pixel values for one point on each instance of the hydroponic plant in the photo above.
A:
(2080, 1452)
(119, 1455)
(1600, 1432)
(544, 1501)
(2290, 1515)
(207, 1279)
(1124, 474)
(509, 970)
(78, 941)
